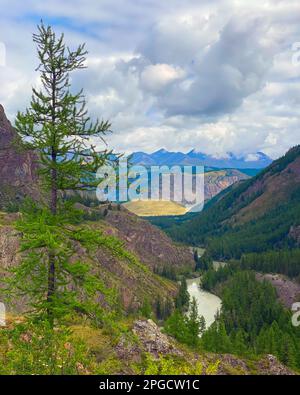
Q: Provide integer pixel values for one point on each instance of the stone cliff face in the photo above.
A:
(155, 343)
(18, 169)
(217, 181)
(152, 245)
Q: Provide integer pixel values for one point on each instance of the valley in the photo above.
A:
(94, 284)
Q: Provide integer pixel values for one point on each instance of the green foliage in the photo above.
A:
(186, 328)
(212, 277)
(172, 365)
(34, 348)
(163, 308)
(182, 298)
(176, 326)
(286, 261)
(56, 123)
(146, 309)
(252, 322)
(76, 287)
(166, 271)
(57, 127)
(204, 263)
(195, 324)
(12, 207)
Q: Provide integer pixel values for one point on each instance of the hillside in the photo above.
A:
(146, 249)
(148, 208)
(255, 215)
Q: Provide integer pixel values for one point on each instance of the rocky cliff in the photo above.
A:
(217, 181)
(150, 341)
(18, 169)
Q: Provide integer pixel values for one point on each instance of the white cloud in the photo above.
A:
(156, 77)
(211, 75)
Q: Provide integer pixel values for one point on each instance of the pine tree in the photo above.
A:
(176, 326)
(288, 352)
(182, 299)
(239, 343)
(146, 309)
(194, 323)
(57, 127)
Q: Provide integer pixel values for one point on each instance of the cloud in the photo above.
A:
(212, 75)
(220, 74)
(156, 77)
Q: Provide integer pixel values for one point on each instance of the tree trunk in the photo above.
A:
(53, 208)
(51, 267)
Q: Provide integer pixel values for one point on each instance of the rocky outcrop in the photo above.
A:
(271, 366)
(288, 291)
(152, 245)
(152, 341)
(18, 168)
(217, 181)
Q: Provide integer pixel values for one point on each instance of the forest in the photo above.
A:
(253, 322)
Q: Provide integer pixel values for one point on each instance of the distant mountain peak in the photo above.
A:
(161, 151)
(257, 160)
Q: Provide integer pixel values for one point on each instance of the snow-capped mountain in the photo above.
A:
(161, 157)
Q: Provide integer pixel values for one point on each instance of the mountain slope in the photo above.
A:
(146, 250)
(254, 215)
(18, 169)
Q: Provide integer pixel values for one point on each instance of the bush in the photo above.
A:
(30, 349)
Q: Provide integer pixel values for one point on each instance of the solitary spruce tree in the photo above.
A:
(57, 127)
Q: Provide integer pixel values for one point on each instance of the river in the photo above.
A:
(208, 304)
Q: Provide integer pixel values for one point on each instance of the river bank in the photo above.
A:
(208, 304)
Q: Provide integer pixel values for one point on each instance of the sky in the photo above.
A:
(215, 76)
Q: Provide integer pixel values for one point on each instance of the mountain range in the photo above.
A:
(162, 157)
(255, 215)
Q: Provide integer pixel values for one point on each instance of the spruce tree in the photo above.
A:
(57, 127)
(146, 308)
(182, 299)
(195, 324)
(176, 326)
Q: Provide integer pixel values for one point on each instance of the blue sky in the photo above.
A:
(216, 76)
